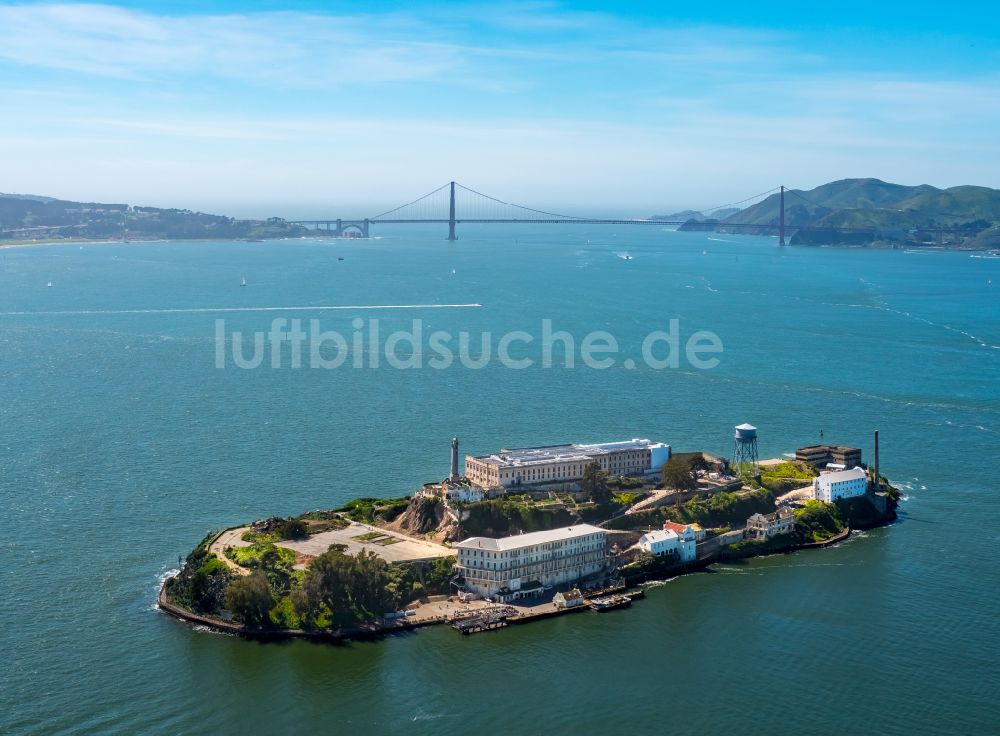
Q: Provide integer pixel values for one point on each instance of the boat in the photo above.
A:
(340, 258)
(49, 284)
(609, 602)
(244, 281)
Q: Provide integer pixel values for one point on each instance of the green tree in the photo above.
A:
(369, 594)
(249, 598)
(293, 529)
(678, 474)
(595, 484)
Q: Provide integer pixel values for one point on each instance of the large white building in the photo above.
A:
(841, 484)
(515, 567)
(663, 542)
(564, 463)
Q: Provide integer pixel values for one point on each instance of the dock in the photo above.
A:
(487, 619)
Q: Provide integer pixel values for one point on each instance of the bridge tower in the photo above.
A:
(451, 214)
(781, 217)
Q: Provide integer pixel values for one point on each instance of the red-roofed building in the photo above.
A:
(694, 531)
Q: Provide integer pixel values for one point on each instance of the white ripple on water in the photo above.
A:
(209, 310)
(658, 583)
(903, 313)
(160, 580)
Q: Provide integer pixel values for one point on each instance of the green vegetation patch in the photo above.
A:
(785, 477)
(201, 584)
(370, 510)
(717, 510)
(265, 555)
(502, 517)
(817, 521)
(367, 536)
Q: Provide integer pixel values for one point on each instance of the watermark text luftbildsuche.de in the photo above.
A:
(296, 343)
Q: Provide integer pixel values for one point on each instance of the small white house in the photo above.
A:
(570, 599)
(841, 484)
(663, 542)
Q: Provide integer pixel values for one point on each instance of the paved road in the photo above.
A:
(230, 538)
(804, 493)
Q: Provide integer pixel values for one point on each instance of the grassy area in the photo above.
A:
(264, 555)
(627, 499)
(786, 476)
(367, 536)
(371, 510)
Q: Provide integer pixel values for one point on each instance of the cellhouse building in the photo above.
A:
(844, 484)
(522, 566)
(564, 463)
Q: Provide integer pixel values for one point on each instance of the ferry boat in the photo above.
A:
(609, 602)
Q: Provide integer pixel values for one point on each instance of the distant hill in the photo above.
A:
(871, 211)
(29, 217)
(686, 215)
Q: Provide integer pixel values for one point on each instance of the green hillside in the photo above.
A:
(871, 211)
(27, 217)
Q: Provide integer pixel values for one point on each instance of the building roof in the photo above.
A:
(842, 475)
(681, 528)
(781, 514)
(828, 448)
(543, 455)
(520, 541)
(660, 535)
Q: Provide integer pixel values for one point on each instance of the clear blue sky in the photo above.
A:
(322, 108)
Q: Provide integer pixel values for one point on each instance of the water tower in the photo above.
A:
(745, 450)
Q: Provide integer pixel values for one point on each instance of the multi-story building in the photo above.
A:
(841, 484)
(521, 566)
(564, 463)
(765, 526)
(664, 542)
(820, 456)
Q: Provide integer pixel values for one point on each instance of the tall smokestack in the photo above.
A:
(454, 459)
(877, 477)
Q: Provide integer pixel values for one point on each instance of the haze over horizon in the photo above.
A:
(305, 111)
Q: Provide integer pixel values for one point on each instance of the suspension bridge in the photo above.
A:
(453, 204)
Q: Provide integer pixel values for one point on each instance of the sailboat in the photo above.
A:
(244, 281)
(49, 285)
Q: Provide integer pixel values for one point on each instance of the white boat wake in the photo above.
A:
(209, 310)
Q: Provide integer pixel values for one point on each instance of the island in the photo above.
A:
(524, 534)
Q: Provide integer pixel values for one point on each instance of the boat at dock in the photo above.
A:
(486, 619)
(609, 602)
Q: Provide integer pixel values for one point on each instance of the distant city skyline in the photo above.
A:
(301, 110)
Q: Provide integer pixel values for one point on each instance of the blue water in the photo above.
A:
(121, 445)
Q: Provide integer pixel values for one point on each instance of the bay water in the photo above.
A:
(122, 442)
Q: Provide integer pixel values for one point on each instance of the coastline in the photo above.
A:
(374, 631)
